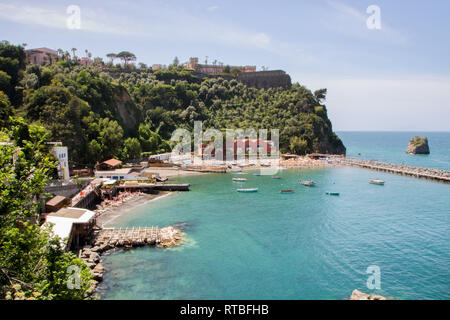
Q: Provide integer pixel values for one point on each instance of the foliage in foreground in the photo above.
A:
(33, 264)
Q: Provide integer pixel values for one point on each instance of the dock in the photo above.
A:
(128, 236)
(137, 236)
(401, 169)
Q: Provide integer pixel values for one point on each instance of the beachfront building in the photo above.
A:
(62, 154)
(112, 169)
(41, 56)
(72, 225)
(240, 147)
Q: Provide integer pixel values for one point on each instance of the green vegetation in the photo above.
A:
(120, 112)
(33, 265)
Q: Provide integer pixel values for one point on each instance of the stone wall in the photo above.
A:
(266, 79)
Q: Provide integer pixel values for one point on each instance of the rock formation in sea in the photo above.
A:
(358, 295)
(418, 145)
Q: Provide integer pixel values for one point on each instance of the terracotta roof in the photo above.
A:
(112, 162)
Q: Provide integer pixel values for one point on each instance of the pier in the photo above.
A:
(108, 238)
(401, 169)
(128, 236)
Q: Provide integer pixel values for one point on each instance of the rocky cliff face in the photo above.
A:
(418, 145)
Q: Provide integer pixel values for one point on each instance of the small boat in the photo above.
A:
(287, 191)
(332, 193)
(377, 181)
(236, 171)
(257, 174)
(239, 179)
(276, 177)
(248, 190)
(308, 183)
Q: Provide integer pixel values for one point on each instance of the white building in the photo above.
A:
(61, 153)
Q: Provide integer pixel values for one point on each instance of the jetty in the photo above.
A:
(401, 169)
(128, 236)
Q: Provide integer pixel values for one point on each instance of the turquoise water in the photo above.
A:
(391, 146)
(305, 245)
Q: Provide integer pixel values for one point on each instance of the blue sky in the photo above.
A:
(394, 78)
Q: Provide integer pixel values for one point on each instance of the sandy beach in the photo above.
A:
(106, 217)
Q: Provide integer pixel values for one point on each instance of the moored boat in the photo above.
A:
(332, 193)
(239, 179)
(248, 190)
(276, 177)
(287, 191)
(377, 181)
(257, 174)
(308, 183)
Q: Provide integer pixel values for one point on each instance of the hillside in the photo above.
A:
(99, 116)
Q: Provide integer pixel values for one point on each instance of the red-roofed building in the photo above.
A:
(109, 164)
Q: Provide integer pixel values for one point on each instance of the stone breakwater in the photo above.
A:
(418, 172)
(358, 295)
(109, 239)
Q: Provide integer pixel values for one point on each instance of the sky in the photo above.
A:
(392, 78)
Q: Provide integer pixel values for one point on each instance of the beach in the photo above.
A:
(106, 217)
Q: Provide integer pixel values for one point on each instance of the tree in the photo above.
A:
(111, 56)
(74, 50)
(142, 65)
(5, 110)
(126, 57)
(33, 265)
(226, 69)
(132, 148)
(176, 62)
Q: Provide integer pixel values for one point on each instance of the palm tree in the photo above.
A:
(74, 50)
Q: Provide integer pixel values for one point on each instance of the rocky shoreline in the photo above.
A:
(167, 237)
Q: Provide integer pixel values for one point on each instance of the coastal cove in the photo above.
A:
(304, 245)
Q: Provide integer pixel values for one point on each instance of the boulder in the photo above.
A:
(358, 295)
(99, 268)
(94, 257)
(418, 145)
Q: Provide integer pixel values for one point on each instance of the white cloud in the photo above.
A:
(163, 23)
(212, 8)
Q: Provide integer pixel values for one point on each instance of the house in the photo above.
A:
(215, 68)
(61, 153)
(112, 169)
(85, 61)
(41, 56)
(73, 225)
(109, 164)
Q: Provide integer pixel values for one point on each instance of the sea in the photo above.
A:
(391, 240)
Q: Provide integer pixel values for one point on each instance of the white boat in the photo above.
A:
(248, 190)
(239, 179)
(308, 183)
(377, 181)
